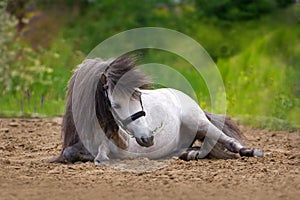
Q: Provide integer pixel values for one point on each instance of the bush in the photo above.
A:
(7, 49)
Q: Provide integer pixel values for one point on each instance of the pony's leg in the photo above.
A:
(210, 135)
(215, 135)
(103, 152)
(77, 152)
(191, 153)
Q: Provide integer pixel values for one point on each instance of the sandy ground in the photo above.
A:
(27, 144)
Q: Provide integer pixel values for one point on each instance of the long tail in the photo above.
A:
(228, 127)
(69, 132)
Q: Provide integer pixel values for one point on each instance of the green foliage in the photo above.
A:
(40, 90)
(102, 19)
(271, 123)
(28, 76)
(20, 66)
(237, 10)
(263, 79)
(7, 35)
(255, 44)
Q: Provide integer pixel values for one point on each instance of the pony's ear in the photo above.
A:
(103, 79)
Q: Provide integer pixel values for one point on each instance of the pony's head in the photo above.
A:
(121, 83)
(129, 114)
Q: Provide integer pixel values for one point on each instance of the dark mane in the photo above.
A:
(122, 77)
(120, 72)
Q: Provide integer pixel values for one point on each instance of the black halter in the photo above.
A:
(121, 122)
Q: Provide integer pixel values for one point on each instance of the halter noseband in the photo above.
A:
(121, 122)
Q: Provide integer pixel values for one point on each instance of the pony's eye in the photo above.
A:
(116, 106)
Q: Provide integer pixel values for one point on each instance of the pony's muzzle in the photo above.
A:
(145, 141)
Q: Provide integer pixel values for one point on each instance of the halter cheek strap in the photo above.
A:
(134, 117)
(122, 123)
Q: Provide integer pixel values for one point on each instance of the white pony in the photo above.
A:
(137, 121)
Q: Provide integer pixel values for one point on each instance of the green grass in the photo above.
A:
(263, 80)
(44, 94)
(258, 59)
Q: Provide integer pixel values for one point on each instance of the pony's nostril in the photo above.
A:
(145, 141)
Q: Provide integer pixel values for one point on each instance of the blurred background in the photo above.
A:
(255, 44)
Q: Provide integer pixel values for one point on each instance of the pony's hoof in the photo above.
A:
(249, 152)
(101, 163)
(258, 153)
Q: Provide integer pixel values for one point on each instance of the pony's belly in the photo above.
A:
(157, 151)
(164, 109)
(165, 143)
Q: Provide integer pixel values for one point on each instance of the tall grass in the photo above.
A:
(263, 80)
(39, 81)
(258, 59)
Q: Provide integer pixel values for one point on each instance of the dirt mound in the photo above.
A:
(27, 144)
